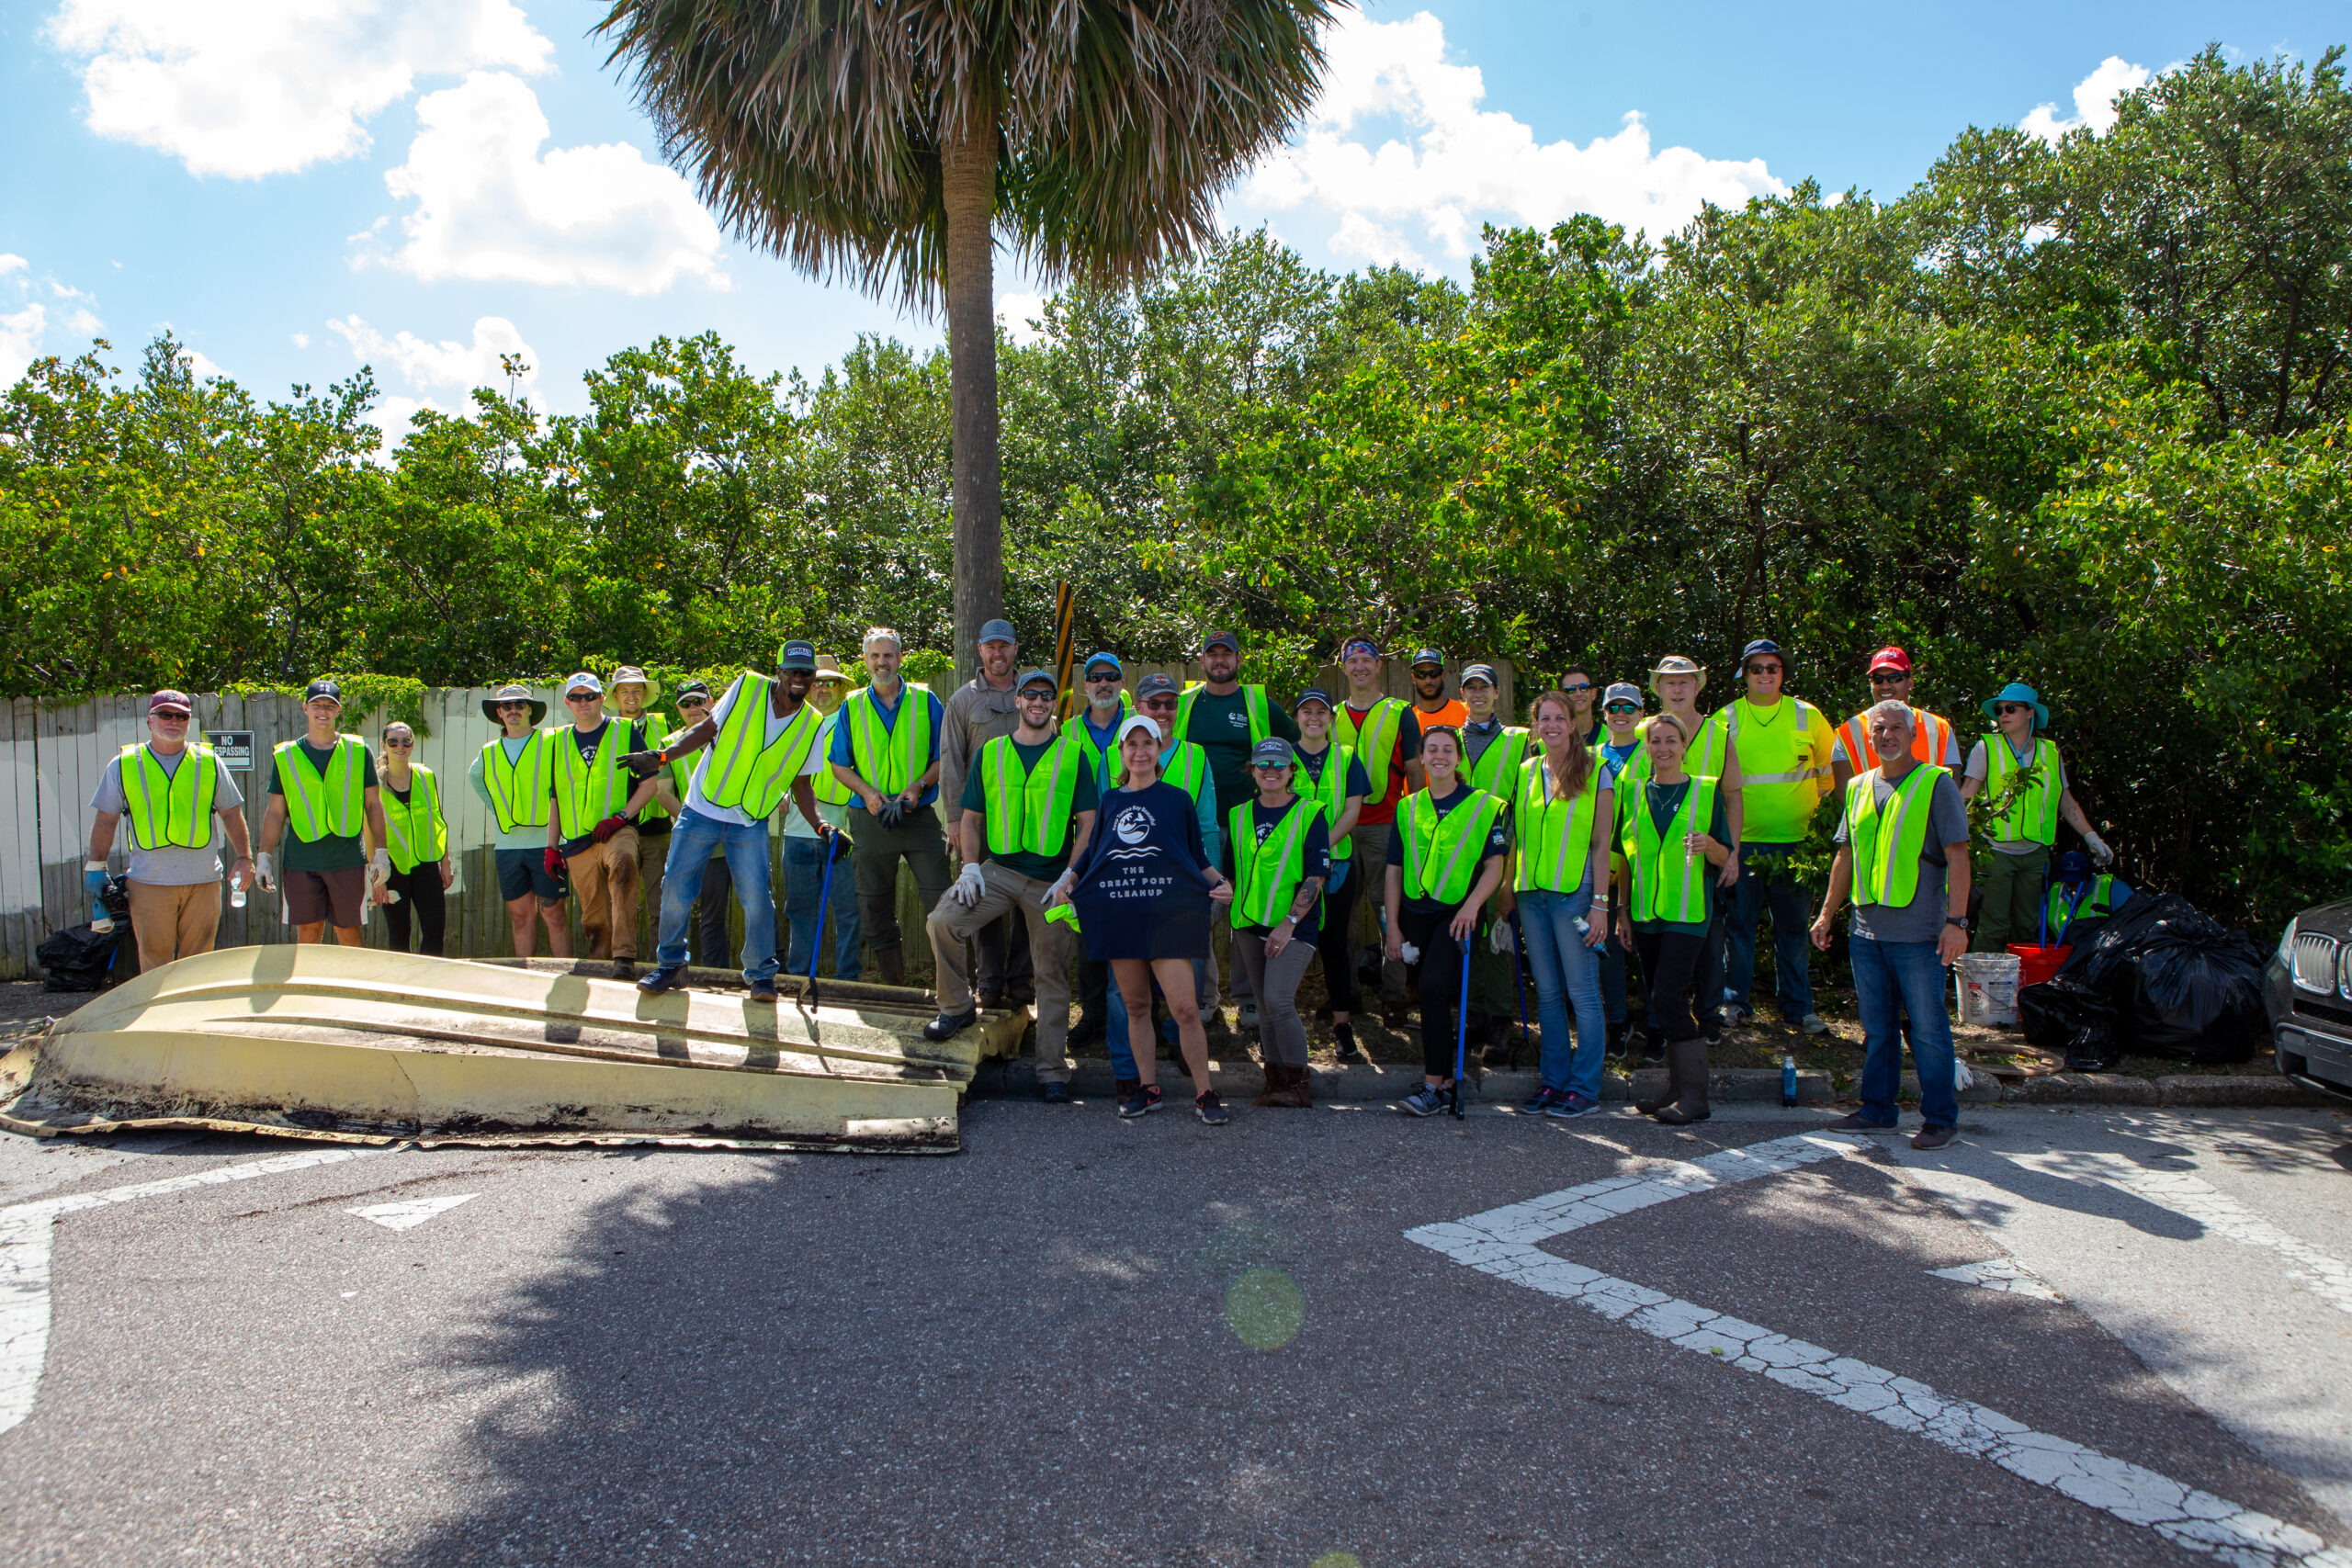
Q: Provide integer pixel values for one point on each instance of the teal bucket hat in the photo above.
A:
(2019, 691)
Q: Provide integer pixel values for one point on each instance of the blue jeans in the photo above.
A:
(1764, 874)
(804, 891)
(691, 844)
(1567, 973)
(1891, 979)
(1123, 1055)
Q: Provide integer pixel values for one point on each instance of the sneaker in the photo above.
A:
(949, 1025)
(1345, 1035)
(989, 1001)
(1853, 1121)
(764, 994)
(1540, 1101)
(1142, 1103)
(1211, 1109)
(1426, 1100)
(1053, 1093)
(1653, 1050)
(669, 977)
(1619, 1034)
(1934, 1137)
(1712, 1031)
(1249, 1015)
(1814, 1024)
(1570, 1105)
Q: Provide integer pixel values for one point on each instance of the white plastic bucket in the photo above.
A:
(1987, 983)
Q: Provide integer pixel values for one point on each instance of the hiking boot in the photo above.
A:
(893, 965)
(1210, 1108)
(1143, 1100)
(949, 1025)
(1426, 1100)
(1054, 1092)
(1934, 1137)
(667, 978)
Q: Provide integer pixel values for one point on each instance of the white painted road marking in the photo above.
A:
(26, 1232)
(2330, 1279)
(1502, 1242)
(414, 1211)
(2001, 1274)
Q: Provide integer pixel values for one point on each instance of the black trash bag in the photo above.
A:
(2071, 1020)
(80, 959)
(2177, 981)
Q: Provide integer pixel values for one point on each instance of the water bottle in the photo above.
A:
(1583, 927)
(236, 893)
(94, 879)
(1788, 1078)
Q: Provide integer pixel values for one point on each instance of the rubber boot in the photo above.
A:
(893, 965)
(1689, 1058)
(1673, 1089)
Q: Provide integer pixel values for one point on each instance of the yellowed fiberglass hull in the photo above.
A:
(359, 1045)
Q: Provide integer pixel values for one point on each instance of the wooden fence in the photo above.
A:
(51, 758)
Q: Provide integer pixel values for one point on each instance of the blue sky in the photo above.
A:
(297, 186)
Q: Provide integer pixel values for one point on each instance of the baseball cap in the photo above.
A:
(1272, 752)
(1035, 678)
(1222, 639)
(1761, 644)
(793, 655)
(1481, 672)
(170, 702)
(1621, 691)
(583, 682)
(329, 689)
(1427, 656)
(1890, 658)
(1132, 723)
(998, 630)
(1110, 658)
(691, 689)
(1312, 694)
(1153, 685)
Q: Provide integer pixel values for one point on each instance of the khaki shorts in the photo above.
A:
(333, 896)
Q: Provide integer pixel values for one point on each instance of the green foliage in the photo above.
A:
(2074, 415)
(386, 697)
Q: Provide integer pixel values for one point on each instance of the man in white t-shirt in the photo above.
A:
(177, 827)
(757, 756)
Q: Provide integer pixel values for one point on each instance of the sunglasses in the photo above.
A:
(694, 702)
(1763, 670)
(1098, 680)
(398, 745)
(1624, 707)
(1034, 695)
(2011, 708)
(513, 707)
(583, 696)
(1887, 677)
(1159, 704)
(1572, 691)
(161, 717)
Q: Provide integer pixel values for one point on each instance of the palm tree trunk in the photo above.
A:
(968, 186)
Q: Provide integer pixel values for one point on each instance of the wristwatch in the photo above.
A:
(1960, 921)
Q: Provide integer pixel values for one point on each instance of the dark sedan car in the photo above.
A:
(2308, 987)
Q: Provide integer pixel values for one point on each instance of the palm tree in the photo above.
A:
(888, 141)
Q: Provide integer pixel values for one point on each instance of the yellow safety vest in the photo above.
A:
(1184, 767)
(1442, 852)
(1553, 832)
(1331, 789)
(1704, 757)
(1930, 739)
(1669, 882)
(890, 757)
(417, 833)
(1784, 766)
(174, 809)
(587, 792)
(747, 772)
(1887, 844)
(1497, 769)
(1374, 741)
(1029, 809)
(826, 784)
(2032, 815)
(1096, 755)
(1266, 876)
(522, 791)
(318, 805)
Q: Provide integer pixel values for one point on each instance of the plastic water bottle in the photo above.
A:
(236, 895)
(1583, 927)
(1788, 1078)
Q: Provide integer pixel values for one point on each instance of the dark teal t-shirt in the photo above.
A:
(1220, 726)
(1042, 867)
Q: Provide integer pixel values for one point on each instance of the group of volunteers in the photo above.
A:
(1430, 841)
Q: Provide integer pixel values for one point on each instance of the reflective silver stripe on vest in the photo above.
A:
(1431, 885)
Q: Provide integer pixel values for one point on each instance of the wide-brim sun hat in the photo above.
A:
(1675, 664)
(829, 668)
(629, 673)
(2018, 692)
(510, 694)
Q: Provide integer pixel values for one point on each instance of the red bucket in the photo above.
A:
(2037, 964)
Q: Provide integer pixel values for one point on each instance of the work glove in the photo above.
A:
(265, 873)
(1501, 938)
(1410, 954)
(643, 764)
(893, 809)
(1062, 885)
(842, 843)
(2101, 855)
(93, 876)
(553, 860)
(968, 887)
(379, 869)
(604, 830)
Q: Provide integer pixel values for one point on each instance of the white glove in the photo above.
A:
(380, 869)
(1501, 938)
(968, 887)
(265, 873)
(1060, 889)
(1408, 952)
(2100, 853)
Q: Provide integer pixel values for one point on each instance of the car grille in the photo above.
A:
(2315, 962)
(2341, 1017)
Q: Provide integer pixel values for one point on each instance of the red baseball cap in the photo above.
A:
(1890, 658)
(169, 701)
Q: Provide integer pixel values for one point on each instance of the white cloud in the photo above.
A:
(460, 366)
(302, 340)
(490, 205)
(25, 320)
(20, 336)
(2094, 97)
(252, 87)
(1456, 166)
(199, 363)
(10, 262)
(1015, 311)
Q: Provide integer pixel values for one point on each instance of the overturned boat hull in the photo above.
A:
(358, 1044)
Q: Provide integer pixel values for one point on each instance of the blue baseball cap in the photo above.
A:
(1761, 644)
(1110, 658)
(995, 631)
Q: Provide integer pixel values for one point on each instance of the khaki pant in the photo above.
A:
(2015, 889)
(1002, 893)
(653, 861)
(1371, 857)
(604, 877)
(171, 921)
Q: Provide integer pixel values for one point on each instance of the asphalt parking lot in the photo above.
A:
(1082, 1342)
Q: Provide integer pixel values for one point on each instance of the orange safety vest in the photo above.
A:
(1930, 739)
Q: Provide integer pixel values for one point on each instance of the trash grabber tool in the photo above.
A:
(1519, 979)
(816, 943)
(1461, 1025)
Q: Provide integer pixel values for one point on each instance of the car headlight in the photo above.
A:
(2287, 946)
